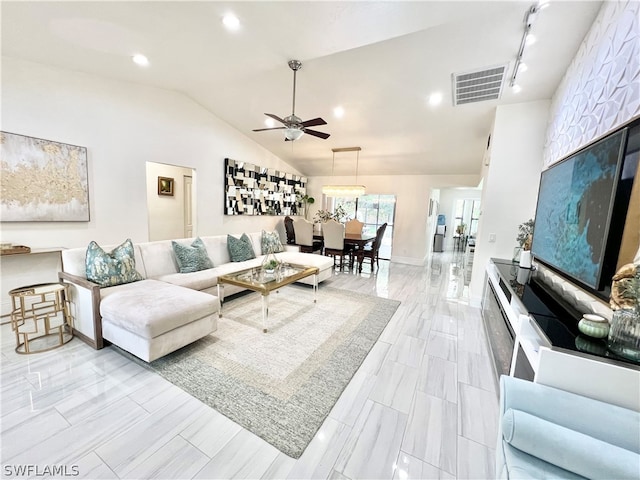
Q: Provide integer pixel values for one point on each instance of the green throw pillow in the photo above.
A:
(113, 268)
(271, 243)
(192, 258)
(240, 249)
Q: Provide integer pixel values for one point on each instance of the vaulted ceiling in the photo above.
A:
(379, 61)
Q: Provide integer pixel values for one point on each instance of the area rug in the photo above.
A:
(281, 385)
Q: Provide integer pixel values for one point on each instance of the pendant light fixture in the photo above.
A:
(344, 190)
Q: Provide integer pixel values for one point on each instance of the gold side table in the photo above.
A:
(40, 317)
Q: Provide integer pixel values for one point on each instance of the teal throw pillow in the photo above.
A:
(192, 258)
(111, 268)
(240, 249)
(271, 243)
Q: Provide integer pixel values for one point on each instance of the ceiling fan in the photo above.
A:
(294, 127)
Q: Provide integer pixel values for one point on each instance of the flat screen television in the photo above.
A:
(575, 206)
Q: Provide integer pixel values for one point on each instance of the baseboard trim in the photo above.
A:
(409, 260)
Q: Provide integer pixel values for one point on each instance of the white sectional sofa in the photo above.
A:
(167, 310)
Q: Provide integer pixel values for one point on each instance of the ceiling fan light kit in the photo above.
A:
(293, 134)
(294, 127)
(344, 190)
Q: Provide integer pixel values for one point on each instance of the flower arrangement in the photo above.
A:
(525, 234)
(323, 216)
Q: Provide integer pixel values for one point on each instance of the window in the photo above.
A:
(373, 210)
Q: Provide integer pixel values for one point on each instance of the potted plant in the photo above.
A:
(524, 238)
(525, 234)
(306, 200)
(270, 266)
(270, 263)
(323, 216)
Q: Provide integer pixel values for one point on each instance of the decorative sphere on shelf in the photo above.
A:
(594, 325)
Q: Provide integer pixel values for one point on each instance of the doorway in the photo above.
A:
(171, 214)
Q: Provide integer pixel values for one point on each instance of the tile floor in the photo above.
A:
(423, 405)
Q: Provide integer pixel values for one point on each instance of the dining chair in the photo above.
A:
(288, 228)
(372, 252)
(333, 233)
(353, 226)
(303, 230)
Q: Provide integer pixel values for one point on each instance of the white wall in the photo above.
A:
(124, 125)
(511, 183)
(448, 200)
(166, 213)
(600, 91)
(413, 230)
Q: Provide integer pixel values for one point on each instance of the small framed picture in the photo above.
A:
(165, 186)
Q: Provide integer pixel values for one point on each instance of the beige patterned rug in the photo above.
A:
(281, 385)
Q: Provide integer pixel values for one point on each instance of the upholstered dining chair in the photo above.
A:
(333, 233)
(353, 226)
(372, 252)
(288, 228)
(304, 236)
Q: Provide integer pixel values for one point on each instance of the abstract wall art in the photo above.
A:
(42, 180)
(254, 190)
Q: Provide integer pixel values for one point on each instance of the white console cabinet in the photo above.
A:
(524, 348)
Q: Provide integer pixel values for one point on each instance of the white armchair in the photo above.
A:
(333, 233)
(304, 236)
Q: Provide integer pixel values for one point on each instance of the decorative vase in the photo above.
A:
(516, 254)
(590, 345)
(624, 335)
(594, 326)
(525, 259)
(270, 263)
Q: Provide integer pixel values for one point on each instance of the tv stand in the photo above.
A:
(533, 335)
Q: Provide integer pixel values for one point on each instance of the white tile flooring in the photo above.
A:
(423, 405)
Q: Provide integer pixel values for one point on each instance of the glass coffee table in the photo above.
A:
(259, 281)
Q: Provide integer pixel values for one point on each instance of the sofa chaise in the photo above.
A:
(166, 310)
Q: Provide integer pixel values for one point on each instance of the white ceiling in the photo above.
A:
(379, 60)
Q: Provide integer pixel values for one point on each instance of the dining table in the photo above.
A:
(356, 240)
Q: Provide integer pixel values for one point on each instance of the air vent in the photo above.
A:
(478, 86)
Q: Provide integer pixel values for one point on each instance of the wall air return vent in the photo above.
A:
(479, 85)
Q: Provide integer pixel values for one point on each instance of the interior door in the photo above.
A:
(188, 206)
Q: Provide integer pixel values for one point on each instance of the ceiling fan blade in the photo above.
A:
(275, 117)
(274, 128)
(315, 133)
(313, 122)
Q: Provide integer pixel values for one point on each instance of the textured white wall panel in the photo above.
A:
(601, 89)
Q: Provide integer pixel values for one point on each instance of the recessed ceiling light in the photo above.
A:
(269, 122)
(516, 88)
(338, 112)
(531, 39)
(522, 68)
(435, 99)
(231, 21)
(140, 59)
